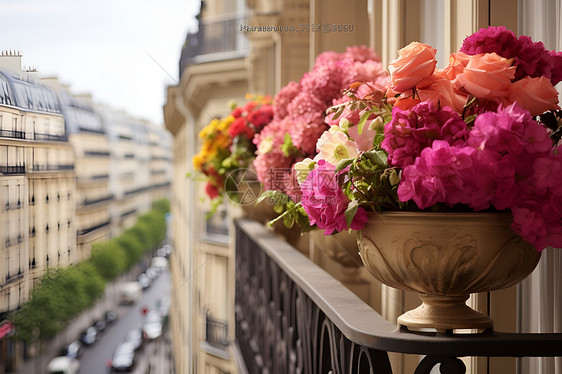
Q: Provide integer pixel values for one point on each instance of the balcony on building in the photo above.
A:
(93, 228)
(292, 316)
(216, 337)
(218, 38)
(98, 200)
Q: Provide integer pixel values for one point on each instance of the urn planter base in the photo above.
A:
(444, 313)
(445, 257)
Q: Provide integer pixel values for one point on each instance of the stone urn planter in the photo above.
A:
(341, 247)
(445, 257)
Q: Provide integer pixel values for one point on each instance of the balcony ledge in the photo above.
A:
(362, 325)
(214, 351)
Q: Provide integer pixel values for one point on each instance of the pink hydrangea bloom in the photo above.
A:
(510, 132)
(557, 67)
(361, 54)
(531, 58)
(446, 174)
(283, 98)
(324, 81)
(271, 165)
(305, 135)
(537, 214)
(509, 142)
(325, 203)
(496, 39)
(410, 131)
(367, 71)
(307, 121)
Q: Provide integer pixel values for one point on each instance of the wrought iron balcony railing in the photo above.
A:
(50, 137)
(291, 317)
(219, 39)
(16, 169)
(98, 200)
(12, 134)
(93, 228)
(58, 167)
(216, 332)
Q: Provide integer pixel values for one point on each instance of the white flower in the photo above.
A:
(303, 168)
(334, 145)
(265, 145)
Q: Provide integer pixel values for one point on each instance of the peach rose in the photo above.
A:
(537, 95)
(441, 91)
(487, 76)
(457, 63)
(416, 62)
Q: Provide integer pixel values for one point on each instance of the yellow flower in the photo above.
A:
(197, 161)
(208, 130)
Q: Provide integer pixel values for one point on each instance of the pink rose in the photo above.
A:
(416, 62)
(457, 63)
(441, 91)
(487, 76)
(537, 95)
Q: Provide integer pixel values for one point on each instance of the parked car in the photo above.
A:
(159, 262)
(152, 326)
(164, 251)
(153, 272)
(123, 357)
(63, 365)
(110, 317)
(144, 280)
(89, 336)
(129, 292)
(99, 324)
(72, 349)
(134, 337)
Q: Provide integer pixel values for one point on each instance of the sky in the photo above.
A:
(124, 52)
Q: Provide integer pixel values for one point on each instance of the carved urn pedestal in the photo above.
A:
(445, 257)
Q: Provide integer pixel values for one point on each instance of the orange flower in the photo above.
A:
(406, 103)
(457, 64)
(416, 62)
(441, 91)
(537, 95)
(487, 76)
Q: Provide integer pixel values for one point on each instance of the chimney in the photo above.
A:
(30, 75)
(10, 61)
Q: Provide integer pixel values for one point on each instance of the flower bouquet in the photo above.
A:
(449, 175)
(227, 150)
(300, 120)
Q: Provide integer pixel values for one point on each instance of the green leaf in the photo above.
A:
(377, 140)
(288, 221)
(267, 194)
(338, 113)
(344, 163)
(470, 119)
(379, 158)
(351, 211)
(362, 121)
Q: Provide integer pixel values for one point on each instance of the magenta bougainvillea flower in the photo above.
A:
(325, 203)
(410, 131)
(531, 58)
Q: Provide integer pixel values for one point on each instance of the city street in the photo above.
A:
(153, 357)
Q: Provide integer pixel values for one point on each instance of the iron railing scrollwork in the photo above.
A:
(216, 332)
(281, 330)
(292, 317)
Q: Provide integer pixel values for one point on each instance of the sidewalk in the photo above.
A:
(52, 348)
